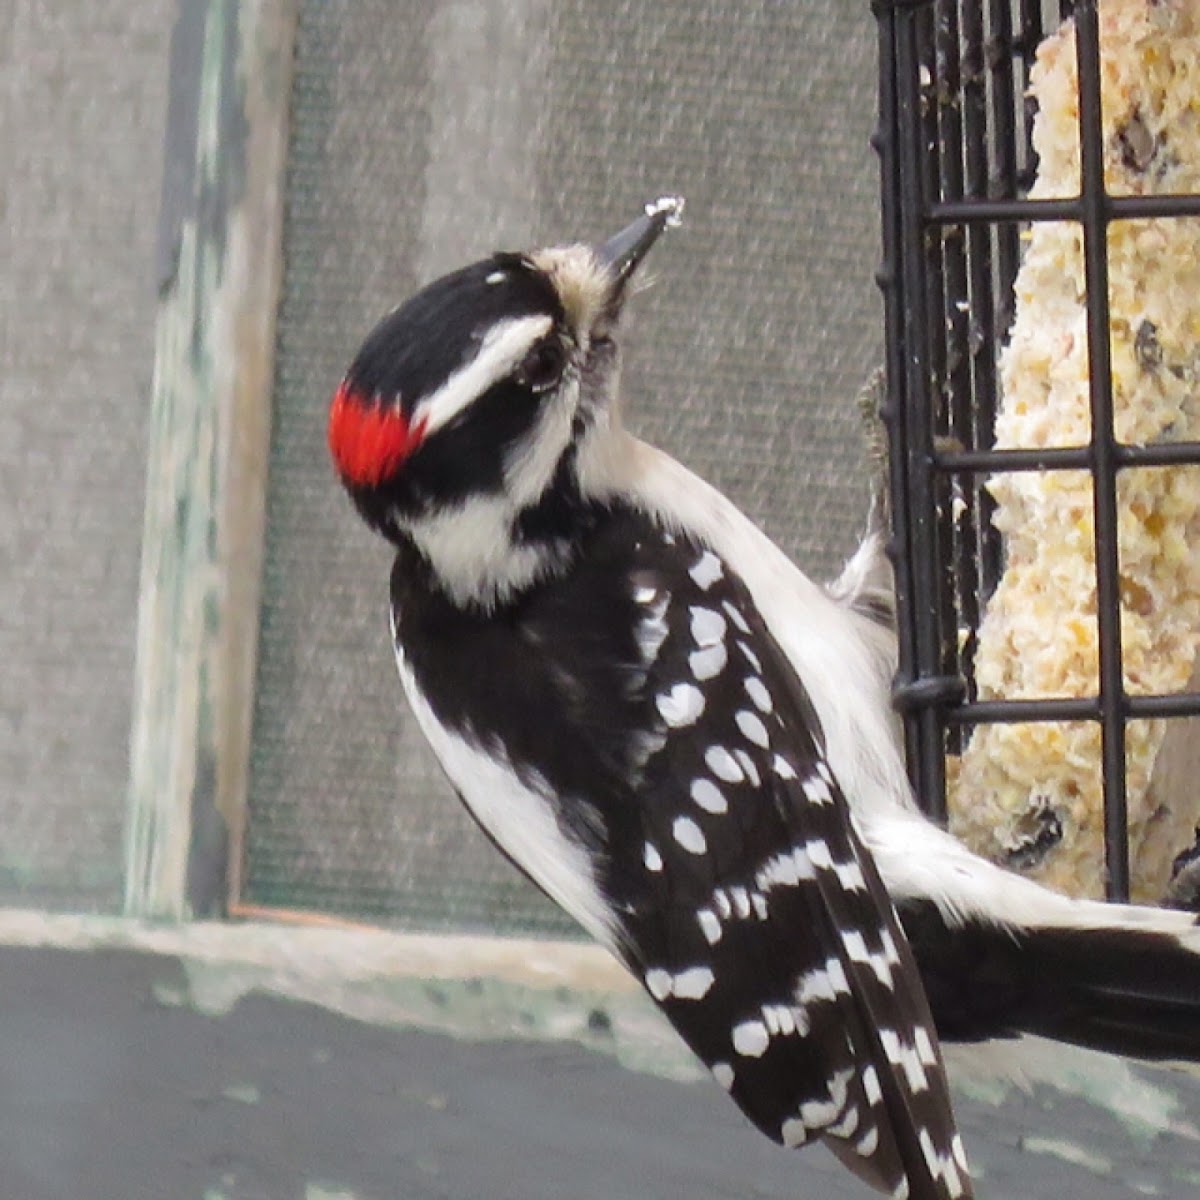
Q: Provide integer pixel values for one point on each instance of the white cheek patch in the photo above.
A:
(499, 353)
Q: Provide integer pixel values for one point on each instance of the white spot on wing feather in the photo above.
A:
(902, 1055)
(690, 984)
(816, 790)
(694, 983)
(708, 626)
(960, 1154)
(846, 1126)
(707, 663)
(940, 1164)
(757, 691)
(710, 925)
(850, 876)
(856, 946)
(750, 1039)
(837, 976)
(708, 796)
(747, 765)
(689, 835)
(925, 1051)
(889, 948)
(750, 656)
(839, 1086)
(786, 869)
(815, 985)
(735, 616)
(723, 765)
(793, 1132)
(752, 727)
(818, 854)
(681, 706)
(818, 1113)
(869, 1142)
(782, 767)
(658, 983)
(707, 571)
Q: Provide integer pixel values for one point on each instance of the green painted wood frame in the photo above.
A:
(220, 267)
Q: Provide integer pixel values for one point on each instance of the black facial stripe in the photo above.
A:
(415, 349)
(466, 457)
(560, 514)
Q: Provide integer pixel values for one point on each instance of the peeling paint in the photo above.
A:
(170, 996)
(321, 1191)
(1070, 1152)
(471, 1009)
(243, 1093)
(1140, 1097)
(220, 254)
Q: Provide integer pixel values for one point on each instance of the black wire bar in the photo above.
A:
(1066, 458)
(955, 144)
(1104, 465)
(1072, 708)
(1127, 208)
(905, 135)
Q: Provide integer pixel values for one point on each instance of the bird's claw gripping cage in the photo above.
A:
(956, 141)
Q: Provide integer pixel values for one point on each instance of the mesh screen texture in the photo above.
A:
(425, 135)
(83, 96)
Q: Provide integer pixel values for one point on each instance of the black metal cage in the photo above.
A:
(955, 140)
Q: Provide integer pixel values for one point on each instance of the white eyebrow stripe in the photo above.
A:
(505, 345)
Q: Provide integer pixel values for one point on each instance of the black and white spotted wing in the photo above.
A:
(761, 925)
(643, 698)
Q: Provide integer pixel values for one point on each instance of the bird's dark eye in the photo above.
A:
(543, 366)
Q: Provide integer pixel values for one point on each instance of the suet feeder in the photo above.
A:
(1041, 278)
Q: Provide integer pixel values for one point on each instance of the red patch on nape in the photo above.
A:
(369, 442)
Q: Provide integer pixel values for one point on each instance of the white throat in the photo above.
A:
(475, 556)
(473, 548)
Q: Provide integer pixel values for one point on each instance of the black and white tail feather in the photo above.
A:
(689, 745)
(1000, 955)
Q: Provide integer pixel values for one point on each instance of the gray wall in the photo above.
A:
(83, 90)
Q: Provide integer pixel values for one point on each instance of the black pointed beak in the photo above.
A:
(621, 254)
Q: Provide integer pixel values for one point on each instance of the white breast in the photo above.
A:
(519, 813)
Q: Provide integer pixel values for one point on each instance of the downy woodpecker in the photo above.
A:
(688, 744)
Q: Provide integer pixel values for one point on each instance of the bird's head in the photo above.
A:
(468, 419)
